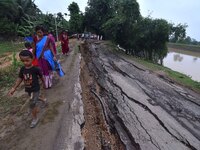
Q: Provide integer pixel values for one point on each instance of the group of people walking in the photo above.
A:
(40, 61)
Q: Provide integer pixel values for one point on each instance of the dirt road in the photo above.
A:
(60, 123)
(108, 102)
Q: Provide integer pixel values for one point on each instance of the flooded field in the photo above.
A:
(185, 62)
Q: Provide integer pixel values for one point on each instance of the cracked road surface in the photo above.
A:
(146, 111)
(108, 102)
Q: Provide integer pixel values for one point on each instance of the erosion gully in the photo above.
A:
(127, 107)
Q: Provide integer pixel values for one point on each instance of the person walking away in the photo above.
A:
(29, 74)
(45, 54)
(64, 39)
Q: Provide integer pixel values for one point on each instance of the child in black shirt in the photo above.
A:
(30, 75)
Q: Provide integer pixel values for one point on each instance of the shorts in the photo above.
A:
(34, 98)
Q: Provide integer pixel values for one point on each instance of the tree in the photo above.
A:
(61, 22)
(120, 26)
(73, 8)
(177, 32)
(76, 18)
(97, 13)
(151, 39)
(16, 15)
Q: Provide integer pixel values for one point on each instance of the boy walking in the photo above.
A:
(30, 75)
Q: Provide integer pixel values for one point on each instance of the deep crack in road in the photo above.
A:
(146, 111)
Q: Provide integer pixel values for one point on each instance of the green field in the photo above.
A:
(10, 47)
(194, 48)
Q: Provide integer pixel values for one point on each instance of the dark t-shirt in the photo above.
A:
(30, 77)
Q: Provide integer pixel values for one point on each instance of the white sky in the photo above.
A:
(176, 11)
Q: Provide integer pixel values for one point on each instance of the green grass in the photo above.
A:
(10, 47)
(59, 48)
(76, 48)
(8, 75)
(175, 76)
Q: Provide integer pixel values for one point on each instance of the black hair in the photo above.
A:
(39, 27)
(27, 44)
(26, 53)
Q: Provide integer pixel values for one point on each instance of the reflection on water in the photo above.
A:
(183, 63)
(195, 59)
(177, 57)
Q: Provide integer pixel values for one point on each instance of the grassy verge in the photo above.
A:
(10, 47)
(175, 76)
(8, 75)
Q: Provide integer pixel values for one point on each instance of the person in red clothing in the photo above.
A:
(64, 39)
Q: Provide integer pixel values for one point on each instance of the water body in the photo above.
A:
(185, 62)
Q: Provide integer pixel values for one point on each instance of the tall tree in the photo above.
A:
(97, 13)
(76, 18)
(125, 15)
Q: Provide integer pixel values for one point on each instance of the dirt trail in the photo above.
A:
(146, 111)
(59, 126)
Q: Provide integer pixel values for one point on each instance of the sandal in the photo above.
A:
(34, 123)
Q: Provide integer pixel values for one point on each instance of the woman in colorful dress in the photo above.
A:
(45, 54)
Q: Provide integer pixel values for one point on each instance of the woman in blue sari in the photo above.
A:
(44, 53)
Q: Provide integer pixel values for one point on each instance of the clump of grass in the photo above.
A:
(59, 50)
(8, 75)
(15, 63)
(77, 48)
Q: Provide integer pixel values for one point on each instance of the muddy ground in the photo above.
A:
(111, 103)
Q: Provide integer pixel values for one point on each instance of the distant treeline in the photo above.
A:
(187, 40)
(117, 20)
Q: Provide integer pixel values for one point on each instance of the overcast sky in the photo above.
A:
(176, 11)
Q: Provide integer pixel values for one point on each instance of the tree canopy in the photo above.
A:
(117, 20)
(121, 22)
(76, 18)
(19, 17)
